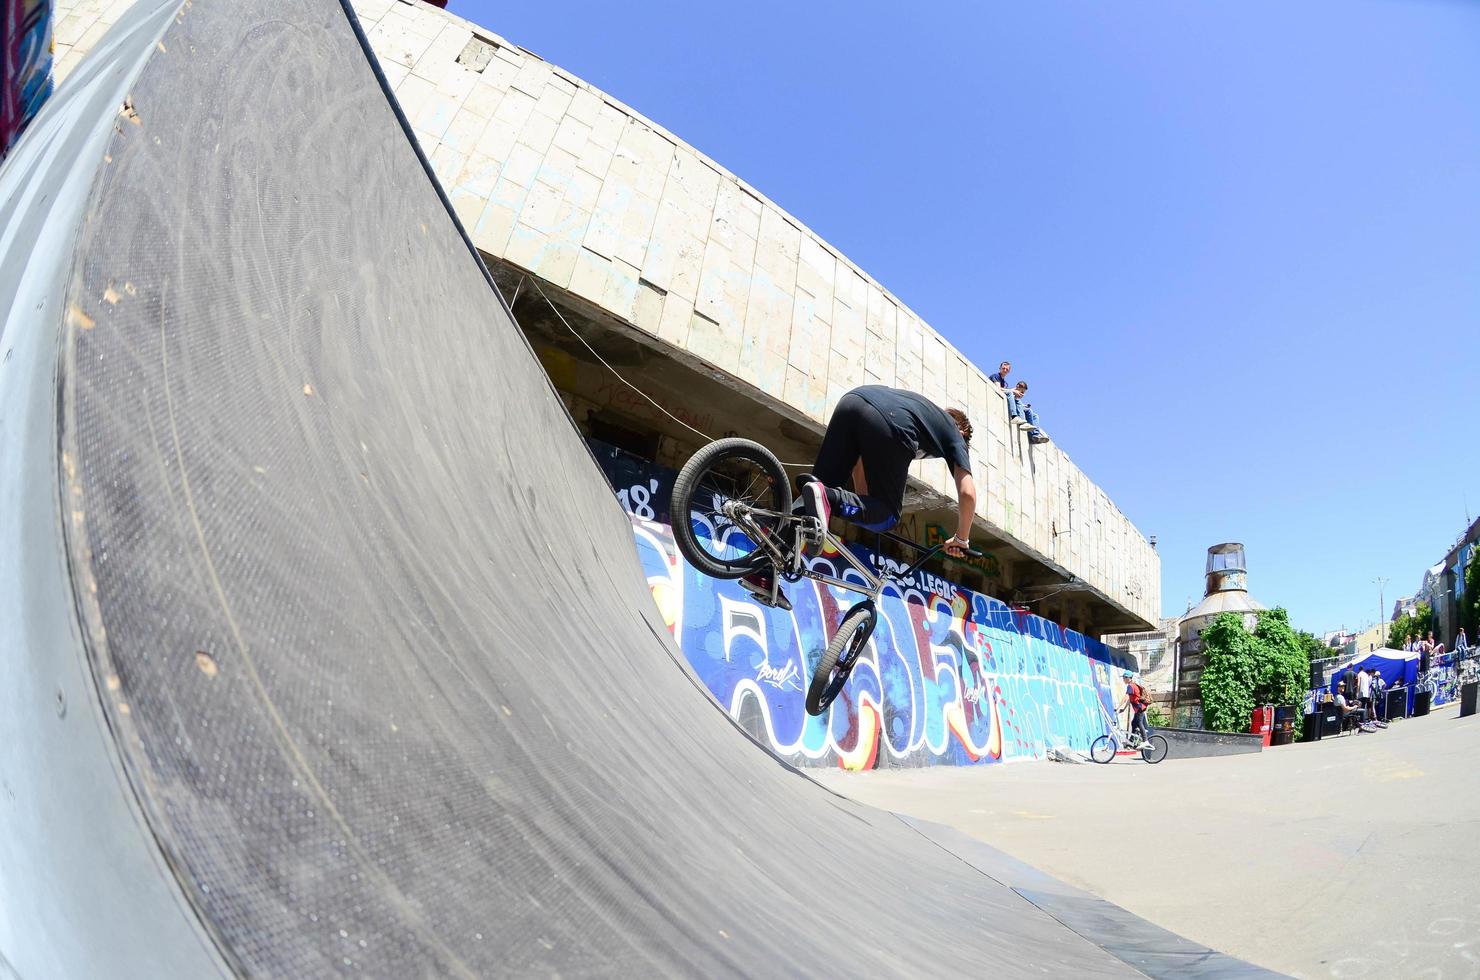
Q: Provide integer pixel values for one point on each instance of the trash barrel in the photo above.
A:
(1262, 723)
(1284, 725)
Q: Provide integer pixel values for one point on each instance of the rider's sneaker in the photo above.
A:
(815, 502)
(762, 585)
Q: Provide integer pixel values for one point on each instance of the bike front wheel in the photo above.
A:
(1154, 749)
(744, 475)
(842, 653)
(1102, 749)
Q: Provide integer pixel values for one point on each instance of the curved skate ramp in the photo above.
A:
(326, 651)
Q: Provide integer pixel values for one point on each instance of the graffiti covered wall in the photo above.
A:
(949, 677)
(25, 65)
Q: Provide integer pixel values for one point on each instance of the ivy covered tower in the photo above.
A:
(1226, 590)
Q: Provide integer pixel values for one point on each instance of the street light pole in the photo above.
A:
(1380, 607)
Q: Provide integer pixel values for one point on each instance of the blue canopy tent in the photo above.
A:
(1393, 666)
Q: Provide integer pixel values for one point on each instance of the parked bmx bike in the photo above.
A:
(1107, 746)
(732, 517)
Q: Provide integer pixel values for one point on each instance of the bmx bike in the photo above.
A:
(732, 517)
(1103, 749)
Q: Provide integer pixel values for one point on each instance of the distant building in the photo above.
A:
(1226, 589)
(1154, 653)
(1368, 640)
(1443, 586)
(1341, 643)
(1451, 587)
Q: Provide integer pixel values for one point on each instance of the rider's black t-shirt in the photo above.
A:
(919, 424)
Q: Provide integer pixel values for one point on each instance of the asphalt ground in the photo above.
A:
(1349, 857)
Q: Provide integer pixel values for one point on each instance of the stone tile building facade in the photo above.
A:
(626, 223)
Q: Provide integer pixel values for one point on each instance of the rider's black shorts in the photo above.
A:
(856, 431)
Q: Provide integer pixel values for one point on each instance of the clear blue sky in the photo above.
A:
(1234, 247)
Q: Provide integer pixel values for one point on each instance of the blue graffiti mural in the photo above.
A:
(950, 676)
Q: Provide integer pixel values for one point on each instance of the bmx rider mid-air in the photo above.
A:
(874, 435)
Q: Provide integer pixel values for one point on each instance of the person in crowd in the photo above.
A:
(1379, 706)
(1409, 646)
(1349, 685)
(1364, 690)
(1000, 378)
(1465, 657)
(1436, 648)
(1354, 712)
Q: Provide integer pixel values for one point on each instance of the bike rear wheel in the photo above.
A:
(734, 471)
(1154, 749)
(838, 660)
(1102, 749)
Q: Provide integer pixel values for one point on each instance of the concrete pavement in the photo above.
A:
(1349, 857)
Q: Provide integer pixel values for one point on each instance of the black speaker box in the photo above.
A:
(1397, 704)
(1421, 703)
(1467, 698)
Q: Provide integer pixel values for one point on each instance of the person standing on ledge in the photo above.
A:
(875, 433)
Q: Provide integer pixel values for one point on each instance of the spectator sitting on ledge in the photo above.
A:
(1014, 411)
(1024, 414)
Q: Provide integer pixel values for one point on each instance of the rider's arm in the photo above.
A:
(966, 496)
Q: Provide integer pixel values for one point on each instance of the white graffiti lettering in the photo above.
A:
(784, 676)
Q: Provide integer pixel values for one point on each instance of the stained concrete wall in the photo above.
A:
(555, 177)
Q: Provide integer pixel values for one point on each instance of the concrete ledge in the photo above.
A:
(1148, 948)
(1196, 743)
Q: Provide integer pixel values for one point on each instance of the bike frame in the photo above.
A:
(790, 559)
(1123, 734)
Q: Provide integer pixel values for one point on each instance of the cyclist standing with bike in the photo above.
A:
(875, 433)
(1136, 695)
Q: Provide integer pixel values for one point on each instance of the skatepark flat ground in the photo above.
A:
(1350, 857)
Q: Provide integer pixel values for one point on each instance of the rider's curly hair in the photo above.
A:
(962, 422)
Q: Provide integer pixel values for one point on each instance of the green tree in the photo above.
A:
(1229, 674)
(1469, 610)
(1417, 625)
(1284, 660)
(1270, 665)
(1312, 645)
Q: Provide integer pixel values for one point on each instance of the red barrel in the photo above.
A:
(1263, 722)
